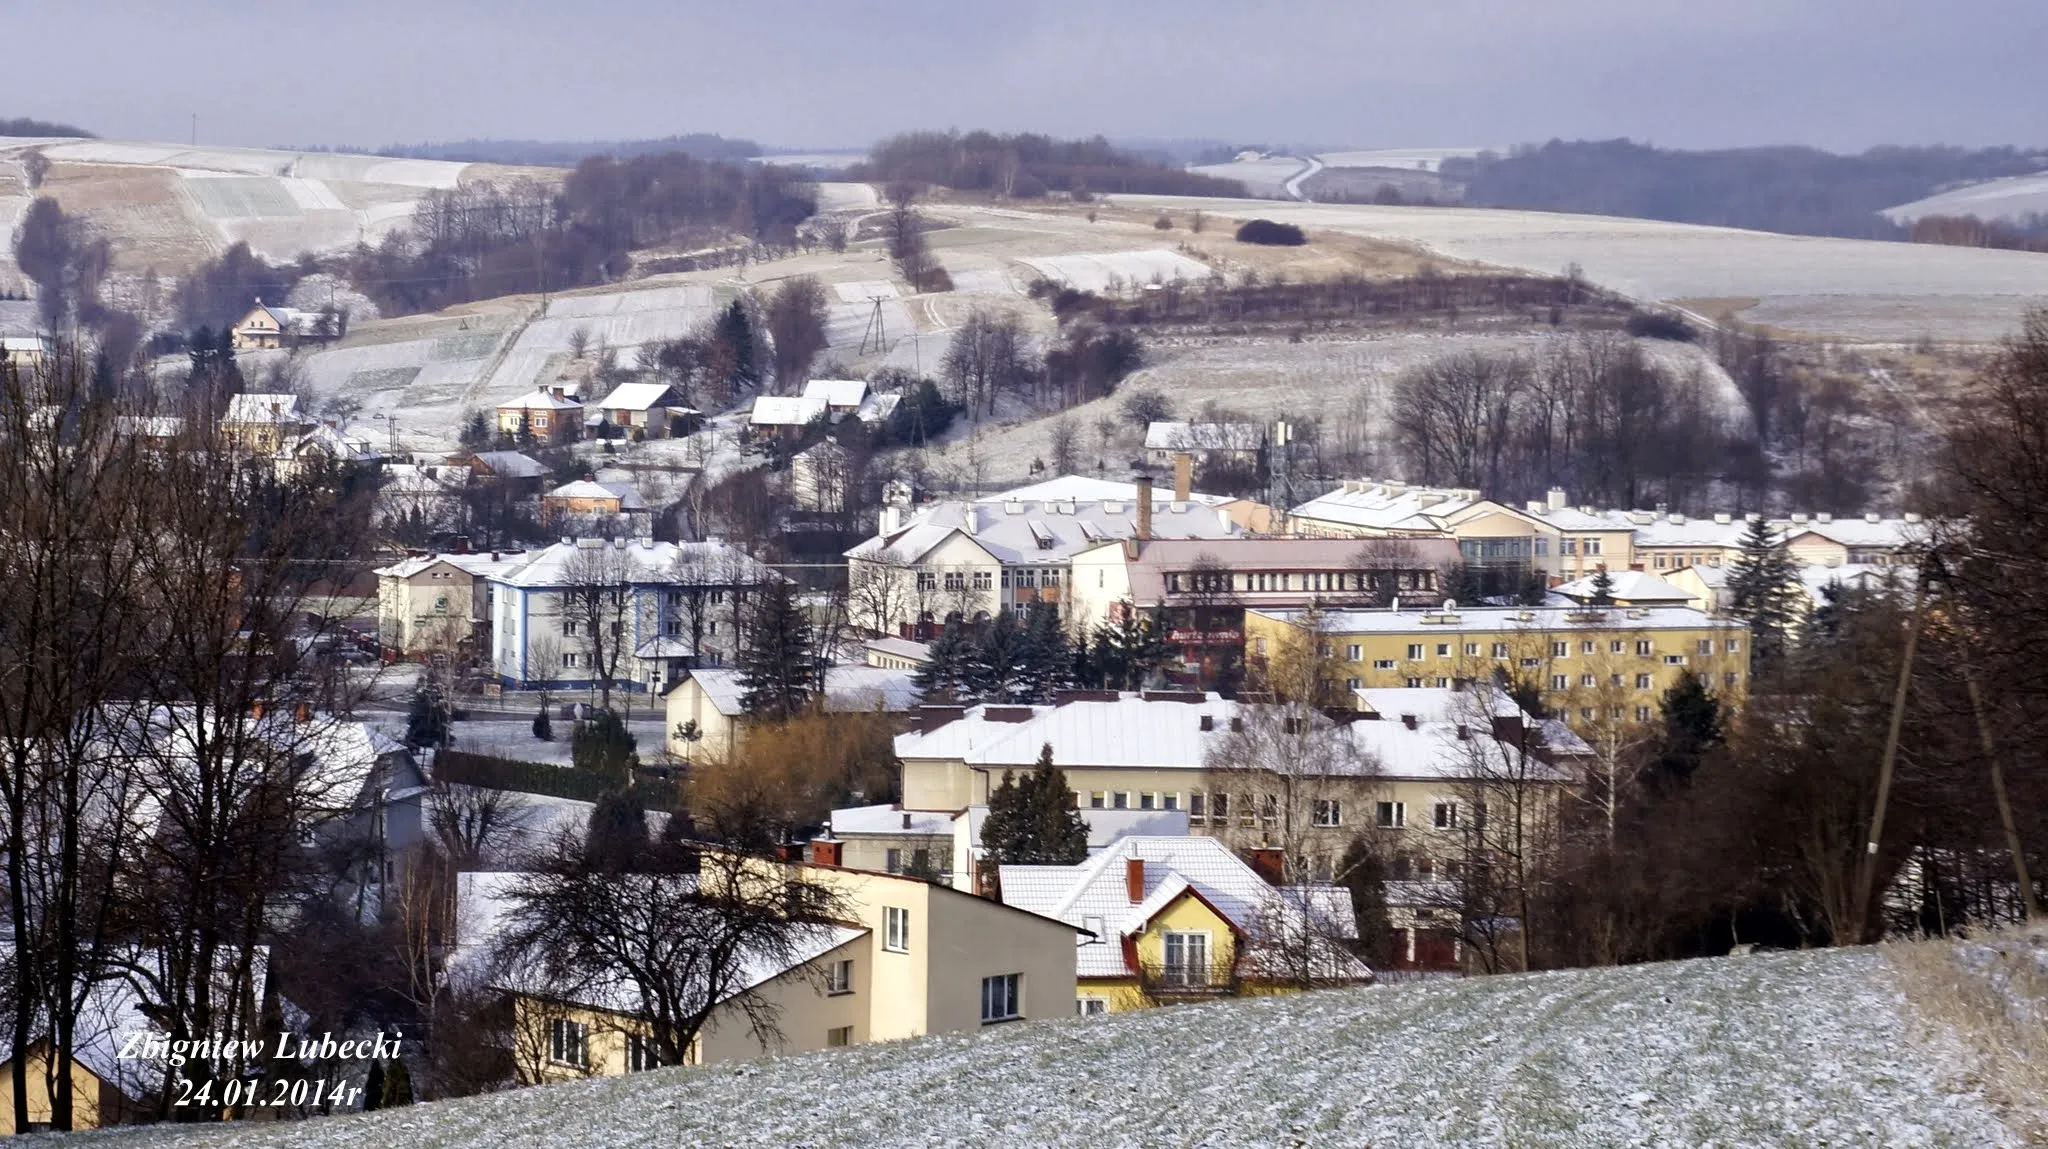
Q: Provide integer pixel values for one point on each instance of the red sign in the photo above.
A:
(1205, 637)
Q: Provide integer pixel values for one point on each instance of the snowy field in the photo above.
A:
(624, 320)
(1267, 177)
(1844, 288)
(847, 197)
(2011, 198)
(1772, 1050)
(1410, 159)
(1107, 271)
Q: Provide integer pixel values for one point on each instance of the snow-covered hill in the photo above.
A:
(1779, 1049)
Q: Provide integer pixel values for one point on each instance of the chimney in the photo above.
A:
(1408, 720)
(1134, 879)
(973, 518)
(302, 713)
(1208, 722)
(257, 708)
(906, 819)
(1144, 507)
(1268, 862)
(892, 518)
(1183, 476)
(825, 853)
(555, 391)
(1556, 497)
(1464, 733)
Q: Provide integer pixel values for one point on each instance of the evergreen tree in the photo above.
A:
(602, 744)
(373, 1087)
(944, 679)
(1364, 873)
(1048, 656)
(736, 332)
(616, 838)
(1032, 820)
(775, 661)
(426, 723)
(1761, 592)
(1130, 649)
(1603, 589)
(1691, 726)
(476, 431)
(542, 728)
(1462, 583)
(997, 669)
(397, 1085)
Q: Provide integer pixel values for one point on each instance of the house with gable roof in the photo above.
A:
(264, 327)
(646, 410)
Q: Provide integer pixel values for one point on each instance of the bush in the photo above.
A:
(1163, 223)
(462, 768)
(1660, 325)
(1265, 231)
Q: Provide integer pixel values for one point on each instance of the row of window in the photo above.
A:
(1130, 800)
(1214, 582)
(1644, 648)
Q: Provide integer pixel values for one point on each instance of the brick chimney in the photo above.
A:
(302, 713)
(1144, 508)
(257, 708)
(1269, 862)
(825, 853)
(1183, 476)
(1134, 879)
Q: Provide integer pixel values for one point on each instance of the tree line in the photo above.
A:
(1028, 166)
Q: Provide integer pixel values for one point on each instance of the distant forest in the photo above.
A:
(1799, 190)
(1028, 166)
(569, 153)
(27, 126)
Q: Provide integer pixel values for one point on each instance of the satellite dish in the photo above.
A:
(1450, 604)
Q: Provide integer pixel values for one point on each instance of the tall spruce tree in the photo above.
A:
(775, 662)
(998, 668)
(1032, 820)
(1691, 726)
(1603, 589)
(1048, 656)
(943, 680)
(736, 332)
(1761, 592)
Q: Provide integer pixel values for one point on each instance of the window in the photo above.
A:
(1592, 546)
(1148, 800)
(1091, 1006)
(1586, 647)
(1329, 812)
(1471, 650)
(1098, 799)
(1245, 810)
(1414, 651)
(1187, 958)
(1219, 809)
(1614, 647)
(1731, 678)
(1169, 801)
(1542, 547)
(1093, 924)
(1674, 660)
(1500, 650)
(1443, 650)
(642, 1054)
(1002, 998)
(1642, 682)
(1443, 684)
(569, 659)
(672, 628)
(956, 580)
(1528, 663)
(1560, 681)
(1354, 652)
(1391, 815)
(839, 977)
(1567, 546)
(1353, 683)
(1121, 800)
(984, 580)
(1660, 562)
(569, 628)
(1414, 684)
(1642, 714)
(843, 1035)
(1383, 664)
(926, 580)
(1644, 647)
(892, 860)
(1706, 646)
(569, 1043)
(1588, 680)
(1446, 815)
(1560, 650)
(1734, 645)
(1198, 808)
(896, 929)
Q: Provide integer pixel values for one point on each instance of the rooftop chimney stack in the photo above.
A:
(1144, 508)
(906, 819)
(1183, 476)
(1134, 879)
(1556, 498)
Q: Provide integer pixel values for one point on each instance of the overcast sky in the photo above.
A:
(1843, 74)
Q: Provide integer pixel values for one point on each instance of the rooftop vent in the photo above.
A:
(1408, 720)
(1723, 518)
(1871, 517)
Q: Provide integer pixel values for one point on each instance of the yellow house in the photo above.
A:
(1167, 919)
(262, 424)
(910, 958)
(708, 703)
(96, 1100)
(1588, 664)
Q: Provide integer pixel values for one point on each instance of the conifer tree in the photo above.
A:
(426, 723)
(1760, 592)
(775, 661)
(373, 1087)
(943, 679)
(736, 332)
(1048, 656)
(543, 729)
(1691, 718)
(397, 1085)
(1603, 589)
(1032, 820)
(998, 668)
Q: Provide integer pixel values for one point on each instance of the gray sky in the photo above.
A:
(1843, 74)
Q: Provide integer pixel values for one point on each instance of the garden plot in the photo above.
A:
(865, 291)
(242, 197)
(1653, 260)
(848, 325)
(1107, 272)
(622, 320)
(1804, 1048)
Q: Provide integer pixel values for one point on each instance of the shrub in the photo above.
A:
(1660, 325)
(1265, 231)
(1163, 223)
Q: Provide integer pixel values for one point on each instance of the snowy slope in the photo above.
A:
(1782, 1049)
(2013, 198)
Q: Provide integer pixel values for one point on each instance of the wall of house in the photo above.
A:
(938, 784)
(687, 702)
(898, 982)
(1101, 578)
(85, 1094)
(430, 612)
(970, 938)
(805, 1014)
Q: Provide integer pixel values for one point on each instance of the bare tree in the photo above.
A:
(597, 604)
(987, 359)
(1066, 437)
(796, 324)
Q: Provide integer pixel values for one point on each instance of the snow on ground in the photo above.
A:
(2011, 198)
(1267, 176)
(1839, 287)
(422, 174)
(847, 197)
(1410, 159)
(1796, 1048)
(1110, 270)
(624, 320)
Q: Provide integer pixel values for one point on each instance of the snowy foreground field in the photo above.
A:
(1782, 1049)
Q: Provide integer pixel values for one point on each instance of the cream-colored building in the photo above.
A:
(265, 328)
(910, 958)
(438, 604)
(262, 424)
(708, 703)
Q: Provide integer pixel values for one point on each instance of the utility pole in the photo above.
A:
(1866, 869)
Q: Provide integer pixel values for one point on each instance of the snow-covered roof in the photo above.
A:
(337, 444)
(261, 407)
(641, 562)
(629, 499)
(1630, 587)
(1388, 506)
(900, 648)
(845, 394)
(511, 464)
(890, 820)
(877, 408)
(637, 397)
(541, 399)
(478, 565)
(1086, 489)
(1095, 895)
(1017, 531)
(1535, 620)
(1174, 436)
(848, 689)
(786, 411)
